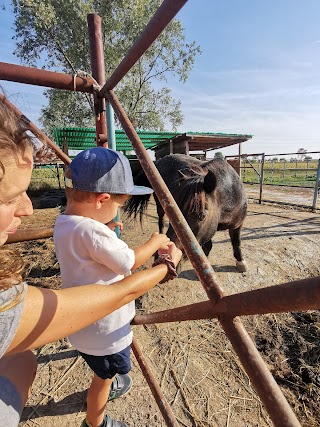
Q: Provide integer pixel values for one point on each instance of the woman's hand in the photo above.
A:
(174, 253)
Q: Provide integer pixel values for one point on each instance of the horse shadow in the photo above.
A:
(191, 274)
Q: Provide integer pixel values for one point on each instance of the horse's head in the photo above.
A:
(195, 199)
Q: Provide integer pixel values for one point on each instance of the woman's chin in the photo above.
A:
(3, 238)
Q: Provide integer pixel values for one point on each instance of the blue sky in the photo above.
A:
(259, 72)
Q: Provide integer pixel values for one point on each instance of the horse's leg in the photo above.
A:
(207, 247)
(236, 242)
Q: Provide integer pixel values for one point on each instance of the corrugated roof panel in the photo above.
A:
(83, 138)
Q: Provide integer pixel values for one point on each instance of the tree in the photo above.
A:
(218, 155)
(54, 33)
(301, 153)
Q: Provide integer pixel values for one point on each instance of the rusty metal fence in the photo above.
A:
(299, 295)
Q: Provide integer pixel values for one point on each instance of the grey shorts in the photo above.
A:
(10, 404)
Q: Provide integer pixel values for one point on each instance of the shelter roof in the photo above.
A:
(199, 141)
(82, 138)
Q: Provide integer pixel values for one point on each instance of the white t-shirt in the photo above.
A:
(90, 252)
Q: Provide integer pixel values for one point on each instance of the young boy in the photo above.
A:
(99, 181)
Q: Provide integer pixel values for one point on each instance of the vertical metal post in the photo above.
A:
(261, 178)
(98, 73)
(113, 145)
(58, 175)
(240, 159)
(110, 126)
(316, 188)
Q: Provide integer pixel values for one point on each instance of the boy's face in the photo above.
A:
(109, 207)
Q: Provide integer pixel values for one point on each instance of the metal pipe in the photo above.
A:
(163, 405)
(177, 220)
(30, 234)
(98, 73)
(266, 386)
(34, 76)
(36, 131)
(299, 295)
(270, 393)
(157, 24)
(261, 178)
(316, 188)
(113, 145)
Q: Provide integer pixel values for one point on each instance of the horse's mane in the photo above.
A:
(188, 191)
(191, 196)
(137, 205)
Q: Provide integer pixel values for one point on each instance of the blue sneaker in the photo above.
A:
(120, 386)
(107, 422)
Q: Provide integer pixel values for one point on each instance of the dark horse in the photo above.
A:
(210, 194)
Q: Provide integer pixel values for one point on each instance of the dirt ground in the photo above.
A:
(199, 373)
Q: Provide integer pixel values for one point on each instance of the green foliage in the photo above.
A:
(54, 33)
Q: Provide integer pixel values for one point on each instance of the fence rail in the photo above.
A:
(266, 170)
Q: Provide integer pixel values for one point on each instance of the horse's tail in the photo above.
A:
(137, 205)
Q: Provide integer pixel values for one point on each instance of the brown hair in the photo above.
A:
(13, 135)
(11, 268)
(14, 140)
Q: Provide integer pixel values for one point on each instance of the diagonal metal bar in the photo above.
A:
(179, 223)
(163, 405)
(270, 393)
(36, 131)
(267, 388)
(157, 24)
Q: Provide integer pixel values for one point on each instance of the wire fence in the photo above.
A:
(47, 176)
(281, 178)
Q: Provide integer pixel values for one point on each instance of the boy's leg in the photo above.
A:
(105, 369)
(97, 399)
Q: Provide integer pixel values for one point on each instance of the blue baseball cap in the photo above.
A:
(102, 170)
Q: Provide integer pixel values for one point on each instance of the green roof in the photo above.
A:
(82, 138)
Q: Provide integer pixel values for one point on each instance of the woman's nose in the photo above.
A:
(25, 206)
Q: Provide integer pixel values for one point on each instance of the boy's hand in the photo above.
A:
(160, 240)
(113, 224)
(174, 253)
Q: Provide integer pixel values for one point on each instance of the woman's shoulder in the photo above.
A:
(11, 305)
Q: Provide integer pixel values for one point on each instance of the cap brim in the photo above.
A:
(139, 191)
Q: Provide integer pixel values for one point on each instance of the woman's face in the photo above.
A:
(14, 202)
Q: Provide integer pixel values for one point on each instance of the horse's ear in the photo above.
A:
(209, 182)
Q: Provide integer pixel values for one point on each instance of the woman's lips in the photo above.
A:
(12, 231)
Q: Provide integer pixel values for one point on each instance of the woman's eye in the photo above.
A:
(11, 202)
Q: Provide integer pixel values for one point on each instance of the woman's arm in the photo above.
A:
(49, 315)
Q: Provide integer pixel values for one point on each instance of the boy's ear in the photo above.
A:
(101, 199)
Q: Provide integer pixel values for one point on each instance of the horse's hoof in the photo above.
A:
(242, 266)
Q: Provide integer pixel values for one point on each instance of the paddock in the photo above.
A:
(252, 361)
(199, 373)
